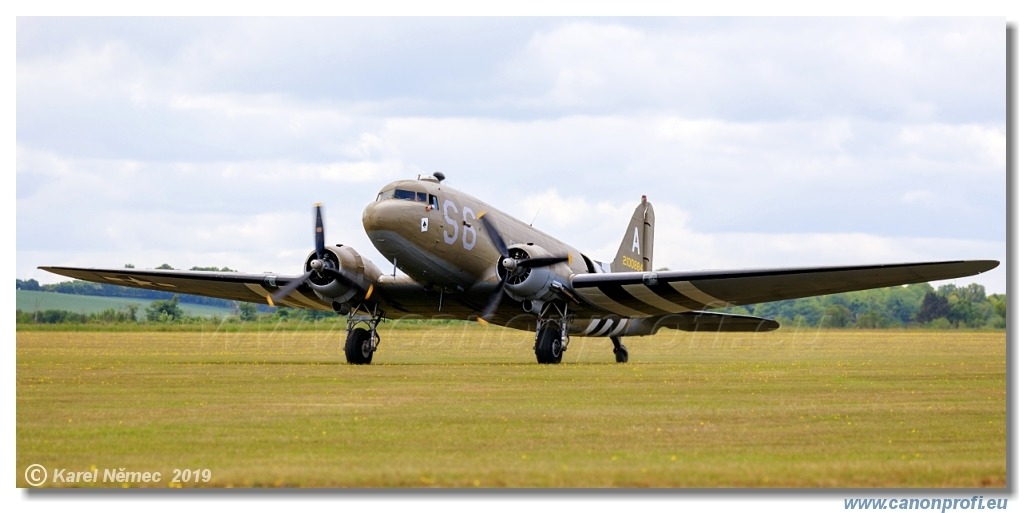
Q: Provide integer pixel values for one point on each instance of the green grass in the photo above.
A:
(34, 300)
(466, 406)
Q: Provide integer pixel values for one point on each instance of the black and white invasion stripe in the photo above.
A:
(644, 299)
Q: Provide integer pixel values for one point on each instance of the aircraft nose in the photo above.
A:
(385, 215)
(372, 217)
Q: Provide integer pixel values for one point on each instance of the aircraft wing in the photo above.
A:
(253, 288)
(638, 294)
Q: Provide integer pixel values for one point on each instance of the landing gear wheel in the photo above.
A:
(549, 345)
(359, 347)
(621, 354)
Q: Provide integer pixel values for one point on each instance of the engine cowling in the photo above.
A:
(531, 283)
(331, 289)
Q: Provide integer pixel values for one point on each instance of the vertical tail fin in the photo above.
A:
(637, 249)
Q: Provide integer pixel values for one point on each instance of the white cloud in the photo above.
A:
(969, 144)
(750, 68)
(919, 196)
(210, 138)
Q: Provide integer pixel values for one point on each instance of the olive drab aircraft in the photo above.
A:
(461, 258)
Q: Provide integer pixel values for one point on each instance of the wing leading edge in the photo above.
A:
(636, 294)
(254, 288)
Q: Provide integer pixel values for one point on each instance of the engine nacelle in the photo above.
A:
(542, 284)
(331, 289)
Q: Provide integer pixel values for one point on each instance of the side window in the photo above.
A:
(433, 202)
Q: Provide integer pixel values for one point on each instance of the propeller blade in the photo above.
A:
(288, 289)
(353, 280)
(495, 236)
(318, 232)
(541, 261)
(348, 278)
(492, 306)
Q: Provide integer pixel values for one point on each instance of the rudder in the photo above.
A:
(637, 249)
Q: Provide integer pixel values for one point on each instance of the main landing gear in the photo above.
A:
(361, 343)
(550, 345)
(552, 334)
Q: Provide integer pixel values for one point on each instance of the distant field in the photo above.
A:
(33, 300)
(467, 406)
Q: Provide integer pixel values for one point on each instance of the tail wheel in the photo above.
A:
(621, 354)
(549, 345)
(359, 347)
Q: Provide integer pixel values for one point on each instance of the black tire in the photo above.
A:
(358, 347)
(621, 354)
(549, 346)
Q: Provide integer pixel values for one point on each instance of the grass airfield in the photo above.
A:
(466, 406)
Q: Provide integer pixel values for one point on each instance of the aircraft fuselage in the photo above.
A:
(434, 235)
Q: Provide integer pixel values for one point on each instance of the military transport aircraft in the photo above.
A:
(465, 259)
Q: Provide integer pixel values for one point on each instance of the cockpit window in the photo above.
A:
(420, 197)
(403, 194)
(406, 195)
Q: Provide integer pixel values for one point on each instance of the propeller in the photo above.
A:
(321, 266)
(511, 265)
(318, 231)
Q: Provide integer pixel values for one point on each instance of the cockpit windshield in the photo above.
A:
(410, 196)
(403, 194)
(407, 195)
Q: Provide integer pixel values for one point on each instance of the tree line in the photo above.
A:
(169, 311)
(918, 305)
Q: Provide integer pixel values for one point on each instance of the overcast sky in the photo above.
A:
(760, 142)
